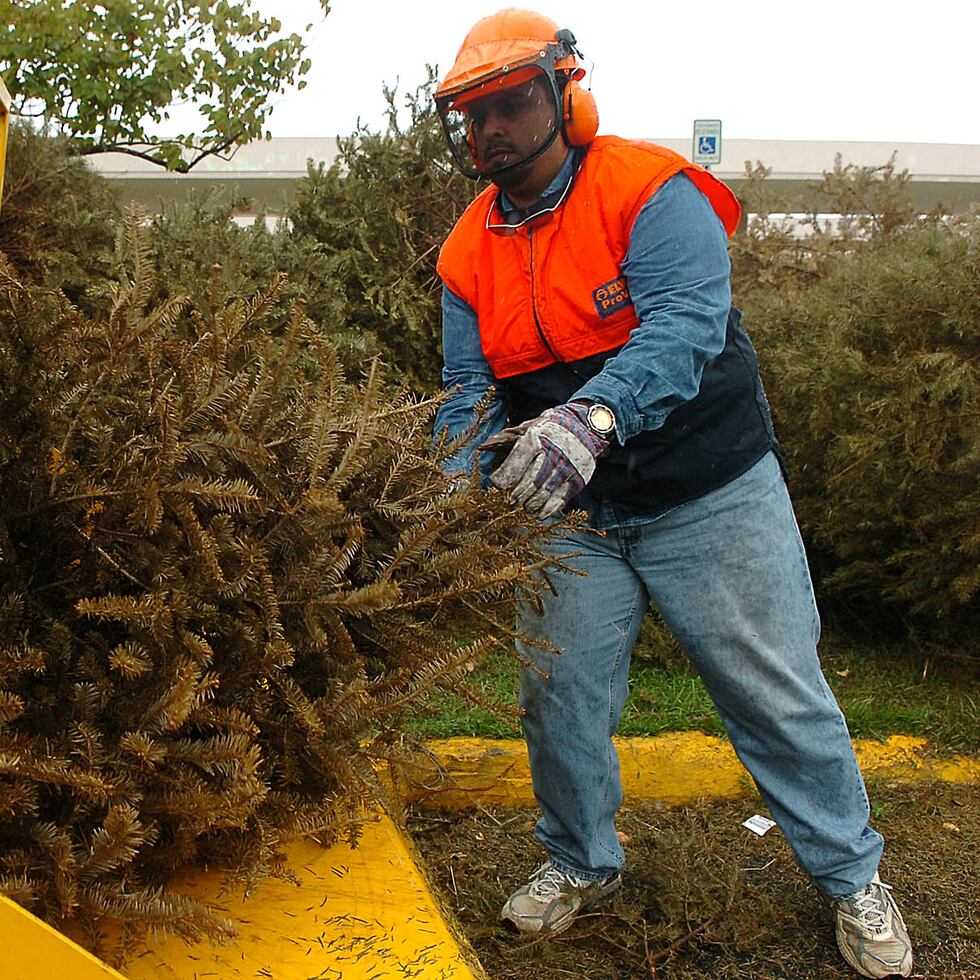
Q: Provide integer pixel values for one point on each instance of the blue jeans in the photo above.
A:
(729, 575)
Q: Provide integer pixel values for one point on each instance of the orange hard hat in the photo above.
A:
(504, 41)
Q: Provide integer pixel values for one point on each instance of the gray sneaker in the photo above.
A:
(871, 933)
(552, 899)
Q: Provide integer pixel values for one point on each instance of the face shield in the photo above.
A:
(503, 122)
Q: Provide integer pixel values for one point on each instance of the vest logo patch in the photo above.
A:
(611, 297)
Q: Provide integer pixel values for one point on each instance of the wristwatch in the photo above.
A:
(601, 419)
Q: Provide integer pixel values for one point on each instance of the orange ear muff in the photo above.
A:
(580, 114)
(471, 145)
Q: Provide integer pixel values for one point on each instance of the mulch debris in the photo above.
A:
(704, 897)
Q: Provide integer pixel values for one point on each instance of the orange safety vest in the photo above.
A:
(556, 292)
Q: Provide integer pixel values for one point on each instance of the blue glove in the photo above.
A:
(552, 460)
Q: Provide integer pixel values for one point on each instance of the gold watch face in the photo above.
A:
(602, 419)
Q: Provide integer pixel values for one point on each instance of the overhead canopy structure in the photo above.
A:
(266, 172)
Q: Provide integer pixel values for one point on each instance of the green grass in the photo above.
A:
(881, 690)
(447, 716)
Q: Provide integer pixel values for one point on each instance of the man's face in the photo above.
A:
(509, 125)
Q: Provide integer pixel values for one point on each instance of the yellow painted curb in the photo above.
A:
(677, 768)
(32, 950)
(905, 758)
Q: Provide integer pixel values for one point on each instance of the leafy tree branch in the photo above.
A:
(108, 75)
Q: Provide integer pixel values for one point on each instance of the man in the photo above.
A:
(587, 289)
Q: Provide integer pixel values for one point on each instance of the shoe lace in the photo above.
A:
(871, 906)
(548, 881)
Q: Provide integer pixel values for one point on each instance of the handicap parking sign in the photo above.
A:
(706, 148)
(708, 144)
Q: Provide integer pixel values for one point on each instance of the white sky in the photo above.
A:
(769, 69)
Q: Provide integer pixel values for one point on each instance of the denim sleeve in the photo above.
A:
(677, 271)
(467, 378)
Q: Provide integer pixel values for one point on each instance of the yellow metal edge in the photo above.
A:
(4, 125)
(33, 950)
(355, 914)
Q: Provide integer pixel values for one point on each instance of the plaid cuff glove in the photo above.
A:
(552, 460)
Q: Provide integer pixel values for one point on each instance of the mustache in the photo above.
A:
(498, 146)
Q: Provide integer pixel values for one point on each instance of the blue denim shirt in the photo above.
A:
(677, 271)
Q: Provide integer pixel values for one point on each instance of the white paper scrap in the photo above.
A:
(759, 824)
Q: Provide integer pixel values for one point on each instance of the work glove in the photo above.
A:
(552, 459)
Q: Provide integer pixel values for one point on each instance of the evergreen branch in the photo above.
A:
(163, 911)
(322, 439)
(21, 889)
(256, 309)
(205, 547)
(353, 453)
(441, 672)
(414, 544)
(113, 844)
(225, 754)
(232, 444)
(11, 706)
(119, 568)
(131, 659)
(325, 568)
(364, 601)
(235, 496)
(54, 771)
(140, 610)
(298, 703)
(165, 316)
(190, 686)
(57, 845)
(218, 401)
(144, 747)
(49, 505)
